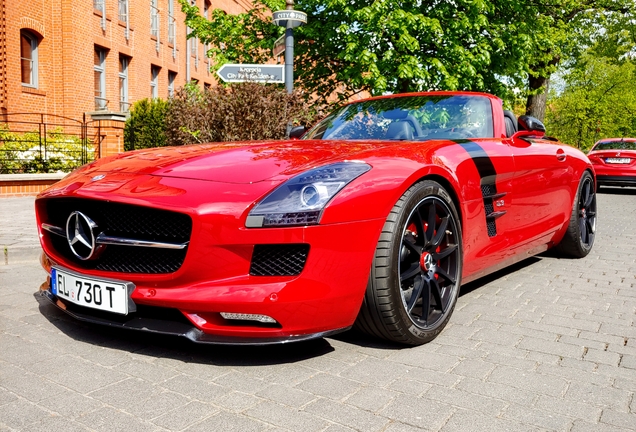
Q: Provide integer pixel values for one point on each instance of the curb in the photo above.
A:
(11, 255)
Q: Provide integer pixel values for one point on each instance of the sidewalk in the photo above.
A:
(18, 231)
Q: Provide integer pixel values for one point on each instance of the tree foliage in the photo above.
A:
(349, 46)
(599, 101)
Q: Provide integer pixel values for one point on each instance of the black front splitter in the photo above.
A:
(173, 327)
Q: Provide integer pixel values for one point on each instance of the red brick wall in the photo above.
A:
(69, 31)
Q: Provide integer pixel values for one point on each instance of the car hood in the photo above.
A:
(236, 162)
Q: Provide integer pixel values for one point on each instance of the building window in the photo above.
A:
(154, 79)
(154, 19)
(123, 15)
(100, 79)
(123, 83)
(29, 58)
(172, 23)
(100, 5)
(171, 79)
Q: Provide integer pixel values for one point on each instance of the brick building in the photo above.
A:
(69, 57)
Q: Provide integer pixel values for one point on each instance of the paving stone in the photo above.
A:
(466, 400)
(539, 418)
(286, 417)
(555, 348)
(419, 412)
(583, 426)
(237, 402)
(371, 398)
(569, 408)
(184, 416)
(469, 421)
(195, 388)
(473, 368)
(285, 395)
(228, 422)
(21, 414)
(604, 397)
(528, 380)
(623, 420)
(347, 415)
(329, 386)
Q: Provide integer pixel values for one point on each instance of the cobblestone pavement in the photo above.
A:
(547, 345)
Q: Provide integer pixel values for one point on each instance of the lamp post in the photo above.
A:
(289, 18)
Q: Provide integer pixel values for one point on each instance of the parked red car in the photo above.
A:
(374, 218)
(614, 160)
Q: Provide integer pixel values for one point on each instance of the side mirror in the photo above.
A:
(531, 124)
(529, 127)
(297, 132)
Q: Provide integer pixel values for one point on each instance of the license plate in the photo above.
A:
(618, 160)
(102, 294)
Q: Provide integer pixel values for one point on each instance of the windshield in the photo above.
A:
(616, 145)
(409, 118)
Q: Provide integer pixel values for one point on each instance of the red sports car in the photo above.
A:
(374, 218)
(614, 160)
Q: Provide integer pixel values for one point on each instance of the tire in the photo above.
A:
(416, 272)
(579, 237)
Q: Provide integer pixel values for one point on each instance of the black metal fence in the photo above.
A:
(45, 143)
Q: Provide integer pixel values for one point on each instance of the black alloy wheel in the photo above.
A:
(416, 274)
(587, 212)
(428, 262)
(579, 237)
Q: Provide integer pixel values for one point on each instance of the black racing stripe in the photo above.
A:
(482, 161)
(488, 178)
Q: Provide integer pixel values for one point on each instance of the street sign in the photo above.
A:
(279, 46)
(252, 72)
(296, 18)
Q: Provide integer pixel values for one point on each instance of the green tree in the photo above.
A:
(351, 46)
(599, 101)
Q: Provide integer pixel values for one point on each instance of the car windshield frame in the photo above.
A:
(421, 117)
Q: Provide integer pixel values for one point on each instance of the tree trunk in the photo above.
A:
(536, 103)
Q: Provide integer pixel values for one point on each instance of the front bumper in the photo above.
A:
(146, 321)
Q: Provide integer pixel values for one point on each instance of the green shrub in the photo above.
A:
(56, 152)
(146, 126)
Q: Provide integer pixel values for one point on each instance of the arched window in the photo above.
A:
(29, 58)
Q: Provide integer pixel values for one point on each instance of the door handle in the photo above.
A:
(560, 155)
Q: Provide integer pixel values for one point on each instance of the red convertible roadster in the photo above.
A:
(373, 218)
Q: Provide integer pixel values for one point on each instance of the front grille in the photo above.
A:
(279, 259)
(128, 221)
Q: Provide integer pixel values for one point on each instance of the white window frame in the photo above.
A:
(172, 76)
(33, 61)
(123, 84)
(100, 101)
(154, 82)
(155, 21)
(124, 12)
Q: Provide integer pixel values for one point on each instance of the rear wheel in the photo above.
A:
(415, 276)
(579, 238)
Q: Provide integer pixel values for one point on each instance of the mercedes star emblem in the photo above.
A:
(80, 235)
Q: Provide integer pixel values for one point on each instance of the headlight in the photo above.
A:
(301, 199)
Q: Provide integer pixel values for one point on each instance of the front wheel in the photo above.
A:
(416, 272)
(579, 237)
